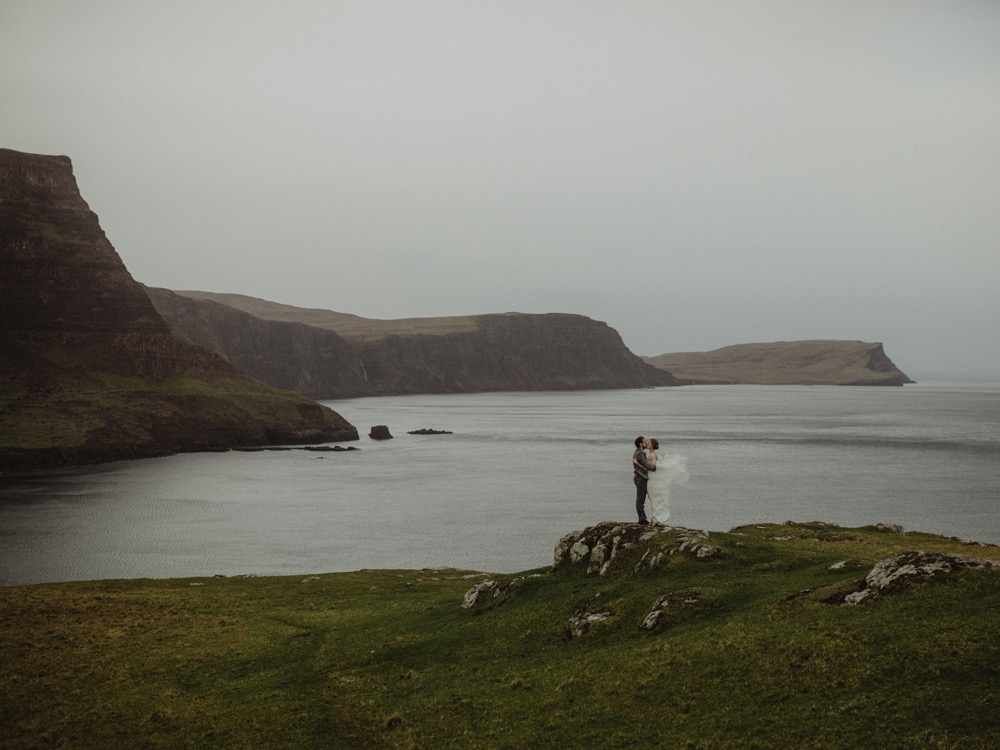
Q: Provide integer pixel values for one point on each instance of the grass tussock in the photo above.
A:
(750, 652)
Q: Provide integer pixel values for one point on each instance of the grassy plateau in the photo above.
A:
(754, 648)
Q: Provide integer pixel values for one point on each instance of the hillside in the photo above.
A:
(816, 362)
(326, 354)
(346, 325)
(89, 370)
(799, 635)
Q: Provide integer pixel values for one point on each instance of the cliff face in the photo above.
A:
(293, 356)
(324, 354)
(89, 370)
(818, 362)
(61, 281)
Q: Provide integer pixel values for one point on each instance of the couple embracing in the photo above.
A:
(654, 476)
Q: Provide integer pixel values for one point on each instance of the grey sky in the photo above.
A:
(695, 174)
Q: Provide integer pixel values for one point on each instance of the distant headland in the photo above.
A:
(812, 362)
(331, 355)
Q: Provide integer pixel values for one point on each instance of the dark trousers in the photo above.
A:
(640, 497)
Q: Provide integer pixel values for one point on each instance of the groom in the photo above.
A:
(641, 477)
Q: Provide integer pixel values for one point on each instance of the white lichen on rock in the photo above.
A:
(674, 601)
(600, 546)
(498, 590)
(909, 567)
(582, 623)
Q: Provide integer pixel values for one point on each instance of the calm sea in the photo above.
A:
(519, 471)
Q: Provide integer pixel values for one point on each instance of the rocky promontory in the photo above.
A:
(813, 362)
(89, 370)
(327, 354)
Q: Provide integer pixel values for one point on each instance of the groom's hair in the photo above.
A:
(639, 440)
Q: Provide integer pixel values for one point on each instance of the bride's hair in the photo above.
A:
(655, 443)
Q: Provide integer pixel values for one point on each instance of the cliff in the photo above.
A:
(817, 362)
(326, 354)
(89, 369)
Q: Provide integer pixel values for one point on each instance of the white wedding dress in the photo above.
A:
(671, 471)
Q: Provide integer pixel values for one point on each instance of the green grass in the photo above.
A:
(389, 659)
(77, 397)
(51, 232)
(91, 401)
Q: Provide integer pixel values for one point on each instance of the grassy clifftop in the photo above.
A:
(347, 325)
(58, 407)
(812, 362)
(673, 639)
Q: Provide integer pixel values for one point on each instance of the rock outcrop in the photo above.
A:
(326, 354)
(816, 362)
(582, 623)
(89, 370)
(648, 579)
(599, 549)
(490, 589)
(901, 571)
(669, 606)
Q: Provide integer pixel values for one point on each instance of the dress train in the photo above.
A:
(671, 471)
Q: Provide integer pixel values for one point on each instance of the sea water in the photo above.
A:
(517, 472)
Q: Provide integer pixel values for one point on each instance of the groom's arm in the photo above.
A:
(639, 459)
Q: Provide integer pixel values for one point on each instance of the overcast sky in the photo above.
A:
(695, 174)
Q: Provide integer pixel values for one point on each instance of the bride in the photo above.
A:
(671, 471)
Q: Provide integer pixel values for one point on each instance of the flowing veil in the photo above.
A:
(671, 471)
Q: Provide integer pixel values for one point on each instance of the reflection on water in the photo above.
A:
(519, 471)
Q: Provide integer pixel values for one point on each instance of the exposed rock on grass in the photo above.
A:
(682, 540)
(841, 564)
(669, 604)
(600, 547)
(582, 623)
(496, 589)
(897, 573)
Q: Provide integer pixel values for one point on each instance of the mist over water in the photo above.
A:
(519, 471)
